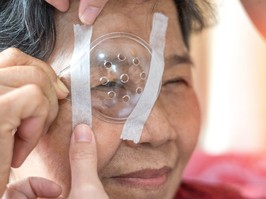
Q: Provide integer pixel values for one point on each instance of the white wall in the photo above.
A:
(231, 82)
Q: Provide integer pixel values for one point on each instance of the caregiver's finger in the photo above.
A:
(61, 5)
(90, 9)
(83, 160)
(33, 187)
(28, 113)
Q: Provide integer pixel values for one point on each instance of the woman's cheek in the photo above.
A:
(184, 116)
(108, 140)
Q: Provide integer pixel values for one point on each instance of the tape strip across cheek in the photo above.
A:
(134, 125)
(80, 76)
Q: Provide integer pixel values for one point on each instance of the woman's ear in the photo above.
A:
(256, 10)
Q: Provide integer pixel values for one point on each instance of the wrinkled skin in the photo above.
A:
(169, 135)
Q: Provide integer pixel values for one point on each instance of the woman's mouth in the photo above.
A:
(146, 178)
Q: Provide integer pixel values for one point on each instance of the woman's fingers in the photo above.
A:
(32, 187)
(83, 161)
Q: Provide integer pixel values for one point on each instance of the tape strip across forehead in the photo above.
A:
(134, 125)
(80, 76)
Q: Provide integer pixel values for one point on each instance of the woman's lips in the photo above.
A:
(145, 178)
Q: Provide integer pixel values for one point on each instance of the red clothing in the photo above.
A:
(197, 190)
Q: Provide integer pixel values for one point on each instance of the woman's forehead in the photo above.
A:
(131, 16)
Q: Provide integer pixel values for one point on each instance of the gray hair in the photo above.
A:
(27, 25)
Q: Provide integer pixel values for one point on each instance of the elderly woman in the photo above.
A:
(36, 107)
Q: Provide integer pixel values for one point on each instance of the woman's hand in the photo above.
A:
(88, 9)
(85, 185)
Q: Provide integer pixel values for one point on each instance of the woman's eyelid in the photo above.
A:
(110, 84)
(178, 73)
(177, 80)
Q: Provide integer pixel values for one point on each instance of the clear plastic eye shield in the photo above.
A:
(126, 77)
(120, 63)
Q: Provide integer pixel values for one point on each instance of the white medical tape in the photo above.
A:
(80, 76)
(134, 125)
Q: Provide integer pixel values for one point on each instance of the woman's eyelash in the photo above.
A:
(176, 81)
(112, 84)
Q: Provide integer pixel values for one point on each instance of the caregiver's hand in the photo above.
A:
(85, 180)
(83, 161)
(88, 9)
(29, 93)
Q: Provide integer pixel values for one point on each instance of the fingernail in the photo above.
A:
(82, 133)
(14, 131)
(89, 15)
(62, 86)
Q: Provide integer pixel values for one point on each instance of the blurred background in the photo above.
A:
(231, 81)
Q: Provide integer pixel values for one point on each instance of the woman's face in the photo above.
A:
(169, 135)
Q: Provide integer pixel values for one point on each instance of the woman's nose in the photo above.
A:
(157, 130)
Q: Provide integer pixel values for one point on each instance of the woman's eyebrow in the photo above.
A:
(176, 59)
